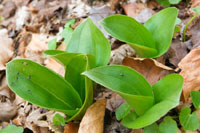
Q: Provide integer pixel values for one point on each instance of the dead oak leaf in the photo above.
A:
(149, 68)
(71, 128)
(190, 71)
(6, 50)
(93, 120)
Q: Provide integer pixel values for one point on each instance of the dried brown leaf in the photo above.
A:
(149, 68)
(190, 65)
(93, 120)
(6, 50)
(71, 128)
(195, 3)
(133, 9)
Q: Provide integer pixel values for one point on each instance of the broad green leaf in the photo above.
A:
(164, 2)
(189, 121)
(196, 10)
(58, 120)
(161, 26)
(195, 98)
(168, 88)
(128, 83)
(122, 111)
(52, 44)
(128, 30)
(75, 64)
(167, 93)
(178, 21)
(67, 32)
(88, 39)
(42, 87)
(174, 1)
(168, 125)
(12, 129)
(88, 85)
(61, 56)
(153, 128)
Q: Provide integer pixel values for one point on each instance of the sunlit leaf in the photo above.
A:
(58, 120)
(128, 30)
(161, 26)
(88, 39)
(38, 85)
(52, 44)
(127, 83)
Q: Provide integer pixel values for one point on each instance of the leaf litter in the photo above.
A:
(28, 26)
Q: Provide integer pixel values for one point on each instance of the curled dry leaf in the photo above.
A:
(190, 71)
(176, 52)
(71, 128)
(38, 43)
(7, 110)
(133, 9)
(9, 8)
(93, 120)
(149, 68)
(119, 54)
(6, 50)
(195, 3)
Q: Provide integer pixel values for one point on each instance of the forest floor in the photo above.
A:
(27, 27)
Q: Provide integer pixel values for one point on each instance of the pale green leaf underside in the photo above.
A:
(41, 86)
(88, 39)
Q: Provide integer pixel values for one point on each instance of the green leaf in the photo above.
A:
(88, 39)
(164, 2)
(178, 21)
(174, 1)
(128, 30)
(153, 128)
(168, 125)
(78, 65)
(12, 129)
(67, 32)
(52, 44)
(195, 98)
(58, 120)
(122, 111)
(41, 86)
(161, 26)
(75, 64)
(151, 40)
(167, 93)
(189, 121)
(196, 10)
(129, 84)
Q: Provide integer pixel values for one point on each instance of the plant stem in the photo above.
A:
(188, 23)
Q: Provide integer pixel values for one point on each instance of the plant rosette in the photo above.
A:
(150, 103)
(150, 40)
